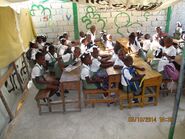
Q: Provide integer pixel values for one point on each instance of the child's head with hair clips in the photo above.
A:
(86, 58)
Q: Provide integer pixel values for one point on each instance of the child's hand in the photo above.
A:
(142, 69)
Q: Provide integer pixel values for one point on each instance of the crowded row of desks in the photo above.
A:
(71, 80)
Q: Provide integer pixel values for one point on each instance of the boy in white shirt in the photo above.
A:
(119, 64)
(146, 43)
(92, 32)
(83, 45)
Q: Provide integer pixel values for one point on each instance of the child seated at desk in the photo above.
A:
(117, 47)
(38, 78)
(130, 79)
(135, 47)
(89, 82)
(119, 64)
(83, 45)
(109, 45)
(146, 43)
(50, 58)
(65, 60)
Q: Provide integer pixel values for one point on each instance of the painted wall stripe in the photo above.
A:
(75, 21)
(169, 13)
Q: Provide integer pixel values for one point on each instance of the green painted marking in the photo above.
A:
(75, 20)
(90, 15)
(127, 24)
(43, 9)
(169, 13)
(146, 15)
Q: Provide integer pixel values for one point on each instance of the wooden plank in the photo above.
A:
(6, 106)
(6, 75)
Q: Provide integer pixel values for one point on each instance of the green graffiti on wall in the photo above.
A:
(146, 15)
(44, 10)
(91, 14)
(125, 24)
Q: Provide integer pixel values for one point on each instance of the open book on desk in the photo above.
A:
(72, 67)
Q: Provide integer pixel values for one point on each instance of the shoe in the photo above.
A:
(66, 91)
(135, 100)
(150, 99)
(57, 94)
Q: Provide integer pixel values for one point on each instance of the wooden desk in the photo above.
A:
(151, 79)
(123, 43)
(70, 81)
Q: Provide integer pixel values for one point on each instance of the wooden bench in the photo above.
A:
(43, 94)
(93, 101)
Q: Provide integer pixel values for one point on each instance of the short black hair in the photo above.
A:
(38, 55)
(84, 56)
(51, 47)
(147, 36)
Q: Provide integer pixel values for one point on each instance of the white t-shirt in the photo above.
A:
(49, 57)
(85, 72)
(109, 45)
(146, 45)
(37, 71)
(93, 36)
(114, 57)
(61, 49)
(127, 75)
(135, 48)
(83, 48)
(170, 51)
(40, 45)
(95, 66)
(119, 62)
(34, 51)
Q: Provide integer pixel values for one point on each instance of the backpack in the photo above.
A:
(28, 54)
(133, 86)
(170, 72)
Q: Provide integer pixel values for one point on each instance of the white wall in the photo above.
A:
(178, 14)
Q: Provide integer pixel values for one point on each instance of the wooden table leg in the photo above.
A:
(62, 96)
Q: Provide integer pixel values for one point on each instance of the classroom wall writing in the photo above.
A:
(53, 17)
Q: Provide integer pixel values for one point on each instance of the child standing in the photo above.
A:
(146, 43)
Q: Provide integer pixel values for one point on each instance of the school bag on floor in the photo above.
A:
(170, 72)
(132, 86)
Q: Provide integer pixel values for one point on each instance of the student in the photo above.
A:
(119, 64)
(92, 32)
(82, 36)
(178, 31)
(117, 47)
(65, 60)
(50, 58)
(83, 45)
(133, 44)
(130, 79)
(90, 43)
(146, 43)
(37, 75)
(66, 36)
(88, 81)
(40, 43)
(62, 47)
(109, 45)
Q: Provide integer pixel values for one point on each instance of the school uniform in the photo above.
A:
(86, 72)
(66, 59)
(61, 49)
(146, 45)
(41, 45)
(109, 45)
(83, 48)
(93, 36)
(38, 71)
(170, 51)
(135, 48)
(114, 57)
(119, 62)
(51, 60)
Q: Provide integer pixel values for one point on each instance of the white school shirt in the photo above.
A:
(49, 57)
(34, 51)
(127, 75)
(134, 48)
(109, 45)
(170, 51)
(85, 72)
(41, 45)
(93, 36)
(119, 62)
(37, 71)
(114, 57)
(95, 66)
(83, 48)
(61, 49)
(146, 45)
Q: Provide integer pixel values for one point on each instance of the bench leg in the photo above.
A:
(39, 106)
(49, 105)
(85, 100)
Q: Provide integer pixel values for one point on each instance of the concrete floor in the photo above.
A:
(101, 122)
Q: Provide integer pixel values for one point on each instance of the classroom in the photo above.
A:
(86, 69)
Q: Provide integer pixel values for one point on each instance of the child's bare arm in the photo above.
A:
(139, 68)
(94, 80)
(118, 67)
(106, 65)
